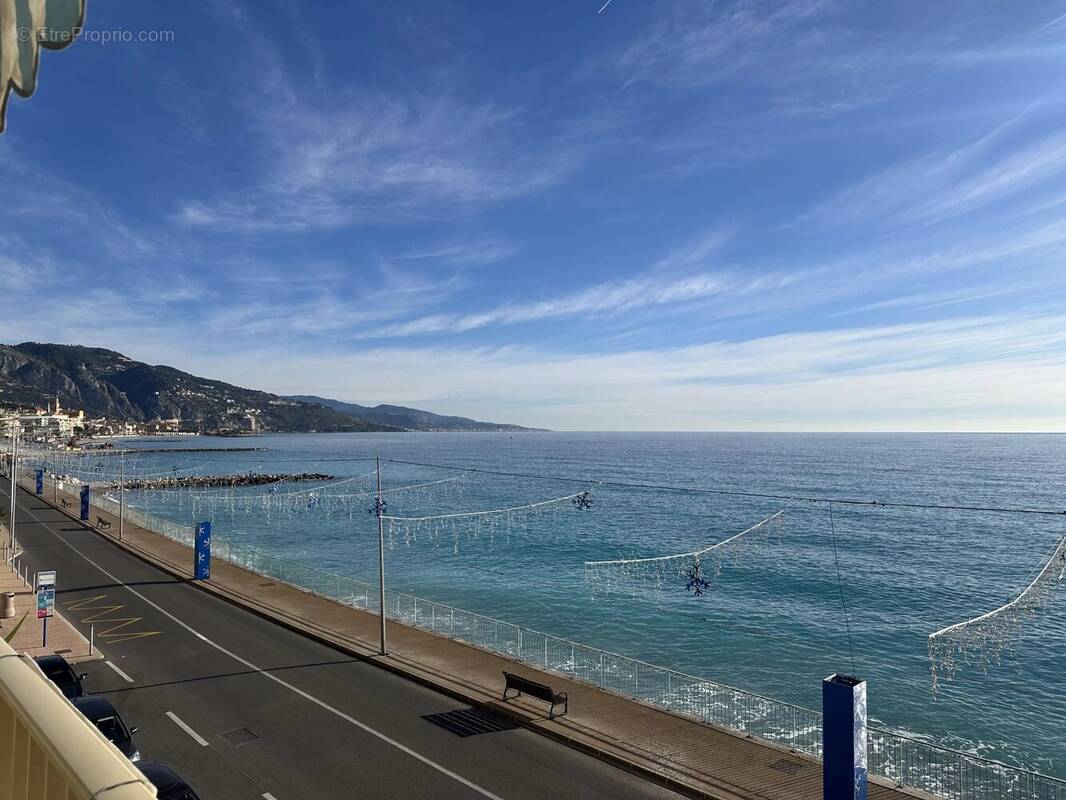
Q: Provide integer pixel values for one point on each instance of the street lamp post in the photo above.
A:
(379, 509)
(121, 496)
(14, 486)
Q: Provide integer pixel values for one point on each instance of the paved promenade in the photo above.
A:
(681, 754)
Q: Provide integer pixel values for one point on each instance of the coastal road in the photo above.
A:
(243, 708)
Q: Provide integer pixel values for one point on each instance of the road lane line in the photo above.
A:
(295, 690)
(121, 674)
(268, 796)
(200, 740)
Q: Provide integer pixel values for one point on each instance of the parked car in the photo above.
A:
(167, 783)
(99, 711)
(58, 670)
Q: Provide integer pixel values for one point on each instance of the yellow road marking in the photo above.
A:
(114, 633)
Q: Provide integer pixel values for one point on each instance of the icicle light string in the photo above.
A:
(696, 568)
(94, 476)
(849, 501)
(984, 640)
(59, 462)
(796, 498)
(477, 524)
(412, 487)
(287, 505)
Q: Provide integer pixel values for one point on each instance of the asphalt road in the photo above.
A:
(243, 708)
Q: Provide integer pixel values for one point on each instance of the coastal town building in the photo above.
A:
(49, 422)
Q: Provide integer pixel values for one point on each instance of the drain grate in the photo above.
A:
(469, 722)
(239, 737)
(788, 767)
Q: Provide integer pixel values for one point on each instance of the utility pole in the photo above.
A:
(121, 496)
(14, 485)
(379, 509)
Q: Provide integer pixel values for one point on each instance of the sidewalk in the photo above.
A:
(688, 756)
(63, 638)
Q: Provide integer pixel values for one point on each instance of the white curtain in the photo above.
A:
(25, 27)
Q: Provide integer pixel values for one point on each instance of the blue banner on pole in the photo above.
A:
(85, 502)
(202, 567)
(844, 736)
(39, 484)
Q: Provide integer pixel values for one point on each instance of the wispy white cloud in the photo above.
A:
(968, 374)
(38, 198)
(339, 158)
(477, 251)
(949, 182)
(606, 298)
(680, 276)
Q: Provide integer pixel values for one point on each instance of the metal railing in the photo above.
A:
(905, 760)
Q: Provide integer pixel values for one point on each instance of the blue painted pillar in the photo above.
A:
(202, 565)
(843, 738)
(39, 481)
(85, 502)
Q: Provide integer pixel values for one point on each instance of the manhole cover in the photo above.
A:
(469, 722)
(239, 737)
(788, 767)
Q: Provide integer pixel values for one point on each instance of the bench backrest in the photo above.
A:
(532, 688)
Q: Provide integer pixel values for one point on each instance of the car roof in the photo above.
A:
(94, 707)
(51, 661)
(161, 776)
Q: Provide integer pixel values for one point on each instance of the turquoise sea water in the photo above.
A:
(772, 624)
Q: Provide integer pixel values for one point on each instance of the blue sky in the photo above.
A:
(678, 215)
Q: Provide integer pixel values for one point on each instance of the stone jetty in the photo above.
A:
(215, 481)
(129, 451)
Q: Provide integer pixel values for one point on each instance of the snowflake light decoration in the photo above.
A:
(696, 582)
(378, 509)
(583, 502)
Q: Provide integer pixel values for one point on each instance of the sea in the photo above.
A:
(851, 588)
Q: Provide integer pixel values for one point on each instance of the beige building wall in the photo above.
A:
(48, 751)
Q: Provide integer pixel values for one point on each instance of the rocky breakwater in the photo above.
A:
(218, 481)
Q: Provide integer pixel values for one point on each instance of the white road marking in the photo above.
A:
(200, 740)
(268, 796)
(121, 674)
(295, 690)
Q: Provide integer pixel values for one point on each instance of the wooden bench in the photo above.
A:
(102, 523)
(64, 502)
(520, 686)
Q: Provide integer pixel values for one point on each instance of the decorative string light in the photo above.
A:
(628, 573)
(327, 500)
(474, 524)
(984, 640)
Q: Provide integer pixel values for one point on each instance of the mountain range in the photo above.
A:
(408, 419)
(108, 384)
